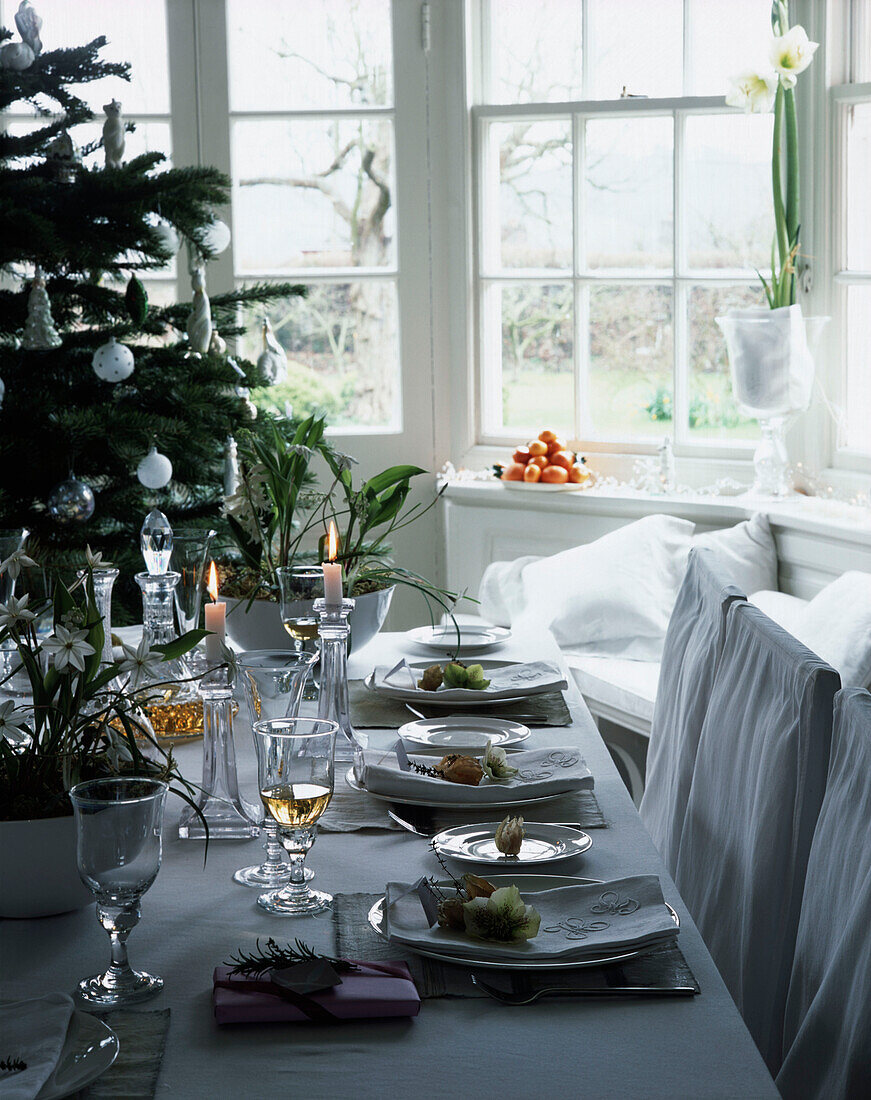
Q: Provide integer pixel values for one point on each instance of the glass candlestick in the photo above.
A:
(228, 815)
(104, 582)
(333, 705)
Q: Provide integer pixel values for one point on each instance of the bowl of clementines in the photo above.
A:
(544, 463)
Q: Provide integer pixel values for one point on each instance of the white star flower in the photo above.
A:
(69, 648)
(12, 725)
(12, 565)
(94, 559)
(791, 53)
(15, 611)
(753, 91)
(139, 661)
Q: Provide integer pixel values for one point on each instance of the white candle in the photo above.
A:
(333, 593)
(216, 620)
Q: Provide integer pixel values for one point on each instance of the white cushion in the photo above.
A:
(501, 591)
(835, 624)
(628, 687)
(612, 597)
(748, 552)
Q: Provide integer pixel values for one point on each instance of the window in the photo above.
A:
(851, 238)
(314, 197)
(620, 208)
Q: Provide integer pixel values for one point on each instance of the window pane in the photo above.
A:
(537, 367)
(628, 220)
(859, 368)
(535, 60)
(631, 354)
(300, 54)
(726, 37)
(136, 33)
(342, 346)
(858, 189)
(727, 197)
(535, 195)
(313, 194)
(635, 44)
(712, 411)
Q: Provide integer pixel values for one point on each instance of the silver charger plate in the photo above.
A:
(542, 843)
(522, 882)
(89, 1049)
(351, 780)
(473, 638)
(458, 732)
(437, 699)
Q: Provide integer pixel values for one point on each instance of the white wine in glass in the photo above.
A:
(302, 629)
(296, 805)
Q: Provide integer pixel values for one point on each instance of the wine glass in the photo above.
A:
(295, 772)
(190, 552)
(118, 848)
(300, 586)
(274, 681)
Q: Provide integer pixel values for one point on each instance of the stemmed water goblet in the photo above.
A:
(273, 680)
(295, 774)
(118, 849)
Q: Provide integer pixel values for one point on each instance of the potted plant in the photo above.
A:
(278, 517)
(769, 354)
(83, 719)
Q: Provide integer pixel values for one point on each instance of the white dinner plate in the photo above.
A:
(522, 882)
(459, 732)
(472, 638)
(351, 780)
(542, 843)
(89, 1049)
(542, 487)
(436, 699)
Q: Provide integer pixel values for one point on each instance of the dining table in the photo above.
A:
(195, 916)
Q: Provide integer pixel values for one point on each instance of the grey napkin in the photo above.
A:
(576, 921)
(33, 1032)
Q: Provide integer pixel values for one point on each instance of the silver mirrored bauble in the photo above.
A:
(72, 501)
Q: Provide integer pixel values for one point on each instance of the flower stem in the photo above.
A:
(777, 184)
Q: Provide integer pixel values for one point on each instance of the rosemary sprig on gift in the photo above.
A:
(275, 957)
(12, 1065)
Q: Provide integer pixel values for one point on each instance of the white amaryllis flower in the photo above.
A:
(69, 648)
(495, 763)
(753, 91)
(12, 565)
(791, 53)
(13, 725)
(15, 611)
(140, 661)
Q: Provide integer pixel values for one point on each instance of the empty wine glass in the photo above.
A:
(273, 681)
(118, 848)
(295, 772)
(190, 552)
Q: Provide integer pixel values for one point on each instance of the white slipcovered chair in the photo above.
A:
(826, 1033)
(756, 792)
(693, 644)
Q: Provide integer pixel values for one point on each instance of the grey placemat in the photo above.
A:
(372, 711)
(351, 811)
(134, 1073)
(663, 966)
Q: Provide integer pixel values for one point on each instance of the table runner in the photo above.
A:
(134, 1073)
(356, 939)
(371, 711)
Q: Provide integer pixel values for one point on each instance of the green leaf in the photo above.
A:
(180, 646)
(392, 476)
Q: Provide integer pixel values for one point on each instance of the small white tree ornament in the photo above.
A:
(39, 331)
(199, 324)
(155, 470)
(113, 134)
(273, 359)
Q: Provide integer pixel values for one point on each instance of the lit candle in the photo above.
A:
(215, 619)
(332, 571)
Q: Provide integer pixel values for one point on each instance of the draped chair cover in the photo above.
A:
(756, 793)
(693, 644)
(827, 1034)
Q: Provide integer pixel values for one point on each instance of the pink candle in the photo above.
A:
(216, 620)
(333, 593)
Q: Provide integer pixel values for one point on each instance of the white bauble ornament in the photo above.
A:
(72, 501)
(215, 238)
(273, 359)
(16, 56)
(199, 323)
(29, 25)
(113, 362)
(155, 470)
(169, 239)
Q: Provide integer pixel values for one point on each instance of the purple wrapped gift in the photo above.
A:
(375, 990)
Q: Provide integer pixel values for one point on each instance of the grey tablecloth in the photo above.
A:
(194, 917)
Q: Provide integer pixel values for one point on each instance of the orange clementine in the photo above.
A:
(555, 445)
(521, 455)
(531, 473)
(563, 458)
(514, 472)
(577, 475)
(555, 475)
(540, 461)
(536, 448)
(547, 436)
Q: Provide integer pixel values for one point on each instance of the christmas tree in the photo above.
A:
(96, 385)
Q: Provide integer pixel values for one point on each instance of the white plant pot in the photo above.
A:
(38, 873)
(259, 627)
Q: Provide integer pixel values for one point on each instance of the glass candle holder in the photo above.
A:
(333, 704)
